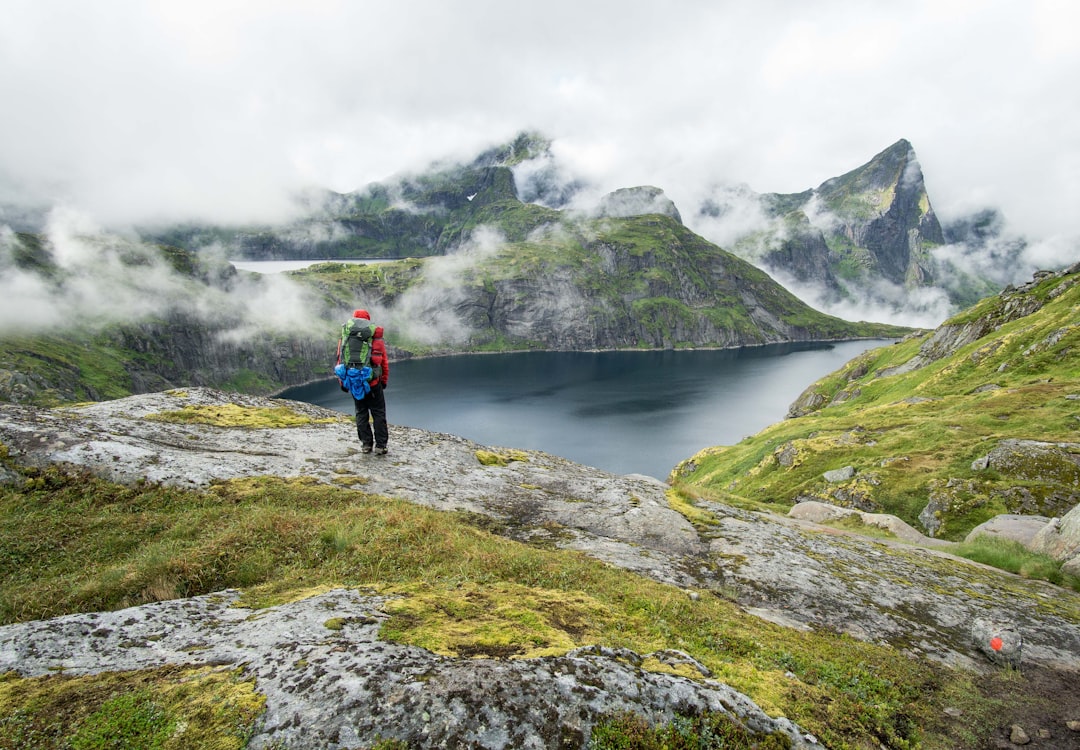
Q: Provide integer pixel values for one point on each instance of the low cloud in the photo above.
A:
(880, 302)
(819, 216)
(727, 214)
(99, 279)
(427, 312)
(102, 279)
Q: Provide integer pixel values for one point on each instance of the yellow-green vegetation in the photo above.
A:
(680, 502)
(73, 543)
(171, 708)
(500, 458)
(235, 415)
(627, 731)
(92, 368)
(913, 435)
(494, 619)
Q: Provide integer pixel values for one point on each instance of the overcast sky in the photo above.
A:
(140, 110)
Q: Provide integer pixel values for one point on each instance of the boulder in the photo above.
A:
(1010, 526)
(840, 475)
(1060, 538)
(1071, 567)
(999, 641)
(1037, 461)
(818, 512)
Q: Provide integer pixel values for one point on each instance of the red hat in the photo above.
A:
(361, 314)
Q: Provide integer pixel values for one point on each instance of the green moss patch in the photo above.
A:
(500, 458)
(172, 708)
(498, 619)
(235, 415)
(626, 731)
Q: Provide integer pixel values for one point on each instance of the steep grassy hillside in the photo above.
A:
(945, 430)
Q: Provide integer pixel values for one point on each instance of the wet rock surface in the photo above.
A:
(788, 570)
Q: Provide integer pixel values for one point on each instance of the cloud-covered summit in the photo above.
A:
(149, 112)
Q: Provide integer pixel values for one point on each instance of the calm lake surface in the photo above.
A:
(625, 412)
(280, 266)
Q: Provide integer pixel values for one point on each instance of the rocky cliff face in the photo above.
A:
(873, 223)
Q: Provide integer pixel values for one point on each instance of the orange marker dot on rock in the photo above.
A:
(996, 643)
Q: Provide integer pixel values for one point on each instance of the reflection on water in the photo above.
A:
(627, 412)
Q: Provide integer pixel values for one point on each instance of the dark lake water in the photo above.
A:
(626, 412)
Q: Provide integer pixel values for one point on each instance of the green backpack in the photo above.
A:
(356, 337)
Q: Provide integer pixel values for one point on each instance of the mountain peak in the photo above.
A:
(896, 164)
(637, 201)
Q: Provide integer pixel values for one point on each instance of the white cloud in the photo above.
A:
(137, 111)
(881, 302)
(425, 313)
(100, 279)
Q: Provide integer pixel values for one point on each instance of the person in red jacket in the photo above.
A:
(371, 409)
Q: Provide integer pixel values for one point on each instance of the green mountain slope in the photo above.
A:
(944, 430)
(411, 215)
(551, 280)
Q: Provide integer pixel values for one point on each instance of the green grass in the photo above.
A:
(914, 435)
(72, 543)
(1015, 558)
(91, 367)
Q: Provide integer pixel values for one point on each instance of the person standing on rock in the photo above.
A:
(363, 370)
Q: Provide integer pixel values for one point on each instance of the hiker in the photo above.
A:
(363, 369)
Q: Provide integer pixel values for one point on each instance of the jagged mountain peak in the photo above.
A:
(876, 184)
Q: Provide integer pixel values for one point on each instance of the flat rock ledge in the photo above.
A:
(343, 688)
(624, 520)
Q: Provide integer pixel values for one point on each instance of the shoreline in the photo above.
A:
(278, 393)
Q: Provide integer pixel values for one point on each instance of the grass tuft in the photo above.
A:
(1016, 558)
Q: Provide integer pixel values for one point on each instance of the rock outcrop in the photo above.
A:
(784, 568)
(1060, 539)
(637, 201)
(790, 571)
(343, 686)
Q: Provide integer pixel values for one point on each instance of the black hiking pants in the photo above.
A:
(371, 412)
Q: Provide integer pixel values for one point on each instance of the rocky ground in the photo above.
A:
(789, 570)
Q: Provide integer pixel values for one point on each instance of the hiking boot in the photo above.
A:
(366, 448)
(381, 450)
